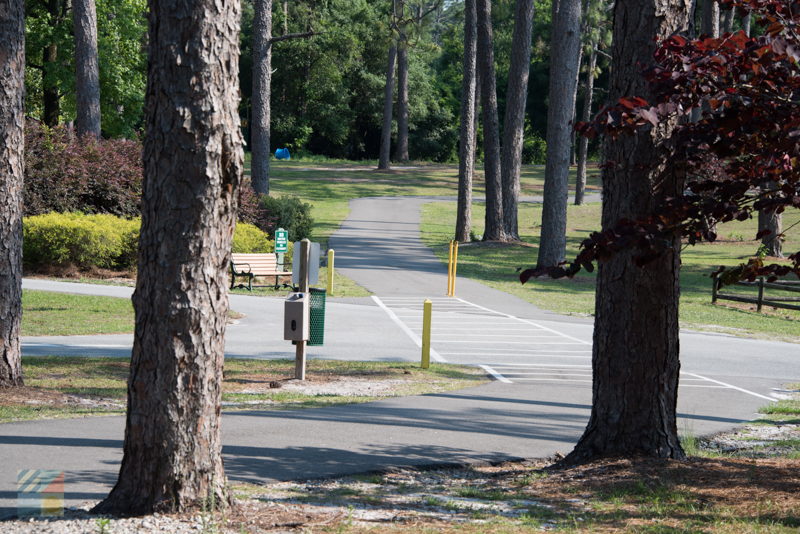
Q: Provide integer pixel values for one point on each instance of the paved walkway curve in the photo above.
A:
(531, 417)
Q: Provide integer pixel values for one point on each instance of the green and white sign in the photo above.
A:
(281, 240)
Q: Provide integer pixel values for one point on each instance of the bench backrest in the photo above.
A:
(265, 263)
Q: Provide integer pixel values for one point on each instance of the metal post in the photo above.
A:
(426, 333)
(450, 270)
(330, 272)
(455, 267)
(300, 350)
(760, 293)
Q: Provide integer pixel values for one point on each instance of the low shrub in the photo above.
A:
(286, 212)
(249, 238)
(103, 241)
(64, 173)
(95, 240)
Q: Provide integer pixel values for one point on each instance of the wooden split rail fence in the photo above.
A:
(761, 285)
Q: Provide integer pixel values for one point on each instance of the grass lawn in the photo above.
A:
(497, 264)
(60, 386)
(63, 314)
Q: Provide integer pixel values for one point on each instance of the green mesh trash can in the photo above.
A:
(317, 316)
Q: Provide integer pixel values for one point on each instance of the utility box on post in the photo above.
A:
(296, 324)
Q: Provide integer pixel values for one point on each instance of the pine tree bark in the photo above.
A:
(262, 93)
(388, 97)
(772, 222)
(514, 123)
(565, 50)
(583, 142)
(493, 227)
(466, 148)
(51, 101)
(401, 150)
(87, 71)
(12, 156)
(192, 167)
(635, 359)
(710, 18)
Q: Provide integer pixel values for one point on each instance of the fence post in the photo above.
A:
(760, 293)
(714, 287)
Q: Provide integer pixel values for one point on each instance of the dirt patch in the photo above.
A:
(31, 396)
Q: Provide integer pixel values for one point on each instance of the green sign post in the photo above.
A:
(281, 244)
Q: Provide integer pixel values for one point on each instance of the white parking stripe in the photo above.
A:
(734, 387)
(435, 355)
(495, 374)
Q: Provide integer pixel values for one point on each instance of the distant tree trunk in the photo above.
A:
(466, 147)
(746, 23)
(192, 167)
(401, 150)
(388, 97)
(87, 72)
(635, 352)
(514, 123)
(726, 20)
(51, 101)
(565, 48)
(12, 155)
(573, 146)
(494, 228)
(583, 142)
(710, 18)
(262, 91)
(771, 221)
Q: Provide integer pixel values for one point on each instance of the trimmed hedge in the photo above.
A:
(102, 240)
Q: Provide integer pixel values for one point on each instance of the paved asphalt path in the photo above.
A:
(538, 404)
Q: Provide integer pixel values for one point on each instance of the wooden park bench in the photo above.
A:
(251, 265)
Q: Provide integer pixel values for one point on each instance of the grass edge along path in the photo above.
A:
(76, 386)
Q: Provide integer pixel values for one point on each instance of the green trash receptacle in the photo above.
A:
(317, 316)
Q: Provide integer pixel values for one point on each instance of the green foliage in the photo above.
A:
(534, 149)
(121, 29)
(248, 238)
(289, 213)
(85, 241)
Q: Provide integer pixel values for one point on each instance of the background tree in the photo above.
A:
(87, 71)
(193, 164)
(514, 123)
(466, 145)
(596, 35)
(262, 90)
(565, 47)
(493, 227)
(388, 99)
(12, 91)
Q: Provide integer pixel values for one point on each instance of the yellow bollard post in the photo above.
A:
(427, 307)
(450, 270)
(330, 271)
(455, 268)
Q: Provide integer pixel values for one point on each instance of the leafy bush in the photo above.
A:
(286, 212)
(98, 240)
(534, 149)
(102, 240)
(249, 238)
(65, 174)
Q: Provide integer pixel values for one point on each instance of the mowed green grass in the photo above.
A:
(62, 314)
(497, 266)
(330, 185)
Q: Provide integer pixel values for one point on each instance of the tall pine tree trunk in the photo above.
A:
(635, 353)
(710, 18)
(565, 50)
(514, 123)
(192, 170)
(262, 91)
(388, 97)
(401, 150)
(494, 227)
(583, 142)
(87, 72)
(466, 147)
(51, 100)
(12, 156)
